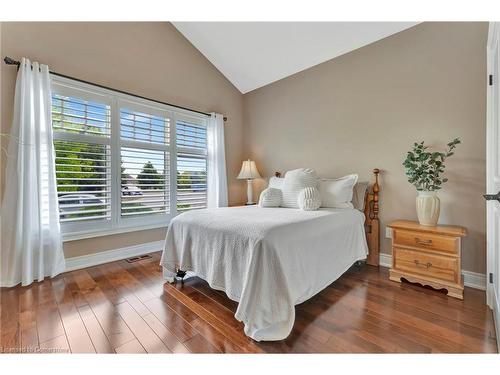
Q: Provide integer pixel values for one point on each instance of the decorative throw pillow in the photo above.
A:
(276, 182)
(309, 199)
(294, 182)
(337, 193)
(358, 197)
(270, 197)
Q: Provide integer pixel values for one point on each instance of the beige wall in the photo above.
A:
(366, 108)
(149, 59)
(351, 114)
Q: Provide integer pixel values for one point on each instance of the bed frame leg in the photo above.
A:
(180, 274)
(359, 263)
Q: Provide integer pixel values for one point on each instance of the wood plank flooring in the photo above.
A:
(125, 307)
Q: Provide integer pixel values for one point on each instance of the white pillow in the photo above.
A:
(309, 199)
(270, 197)
(275, 182)
(358, 197)
(294, 182)
(337, 193)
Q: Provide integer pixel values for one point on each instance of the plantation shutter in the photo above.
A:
(145, 161)
(121, 162)
(83, 158)
(191, 141)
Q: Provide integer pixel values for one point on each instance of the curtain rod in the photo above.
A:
(10, 61)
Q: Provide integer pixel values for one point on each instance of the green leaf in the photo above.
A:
(423, 169)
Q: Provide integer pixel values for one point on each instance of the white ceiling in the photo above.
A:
(254, 54)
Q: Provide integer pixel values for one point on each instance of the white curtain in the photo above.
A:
(31, 245)
(216, 163)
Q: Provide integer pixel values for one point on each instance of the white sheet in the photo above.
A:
(267, 259)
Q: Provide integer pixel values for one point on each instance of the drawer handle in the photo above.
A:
(423, 242)
(426, 265)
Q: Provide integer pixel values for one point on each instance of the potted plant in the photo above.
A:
(424, 169)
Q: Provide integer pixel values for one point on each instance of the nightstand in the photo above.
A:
(428, 255)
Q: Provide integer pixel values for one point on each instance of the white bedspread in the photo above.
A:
(267, 259)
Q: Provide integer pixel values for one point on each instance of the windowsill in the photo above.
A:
(68, 237)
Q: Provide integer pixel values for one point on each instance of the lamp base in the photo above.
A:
(249, 193)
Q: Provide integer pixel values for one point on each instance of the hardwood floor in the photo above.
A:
(125, 307)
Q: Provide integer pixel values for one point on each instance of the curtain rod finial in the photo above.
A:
(10, 61)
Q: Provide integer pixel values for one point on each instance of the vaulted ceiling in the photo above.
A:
(254, 54)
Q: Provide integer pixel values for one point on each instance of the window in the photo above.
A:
(82, 143)
(145, 161)
(191, 165)
(116, 166)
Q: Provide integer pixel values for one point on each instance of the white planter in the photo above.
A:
(428, 205)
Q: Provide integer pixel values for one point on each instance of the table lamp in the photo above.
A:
(249, 172)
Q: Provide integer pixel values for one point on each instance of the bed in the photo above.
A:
(271, 259)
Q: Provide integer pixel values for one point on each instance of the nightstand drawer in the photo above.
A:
(426, 241)
(439, 267)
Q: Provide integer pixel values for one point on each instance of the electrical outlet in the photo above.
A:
(388, 232)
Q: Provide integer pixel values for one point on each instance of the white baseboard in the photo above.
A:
(85, 261)
(474, 280)
(496, 317)
(385, 260)
(471, 279)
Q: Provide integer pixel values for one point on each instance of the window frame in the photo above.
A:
(117, 101)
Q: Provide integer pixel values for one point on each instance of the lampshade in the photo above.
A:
(248, 171)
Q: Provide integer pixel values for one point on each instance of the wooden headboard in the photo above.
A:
(372, 224)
